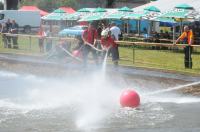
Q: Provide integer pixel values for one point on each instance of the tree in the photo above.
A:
(51, 5)
(28, 2)
(1, 6)
(110, 3)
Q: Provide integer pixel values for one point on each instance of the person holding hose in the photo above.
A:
(108, 44)
(187, 38)
(89, 37)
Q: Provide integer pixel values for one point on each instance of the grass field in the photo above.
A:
(143, 57)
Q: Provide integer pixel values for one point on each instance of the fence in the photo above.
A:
(141, 54)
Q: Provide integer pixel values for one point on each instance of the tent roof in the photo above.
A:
(59, 11)
(68, 10)
(184, 6)
(125, 9)
(100, 10)
(33, 8)
(152, 8)
(165, 5)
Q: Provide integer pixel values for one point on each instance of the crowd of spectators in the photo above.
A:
(9, 30)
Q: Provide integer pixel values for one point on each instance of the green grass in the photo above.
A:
(143, 57)
(158, 59)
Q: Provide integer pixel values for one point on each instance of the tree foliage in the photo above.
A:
(50, 5)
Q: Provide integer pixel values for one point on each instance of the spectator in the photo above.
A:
(115, 31)
(187, 38)
(166, 35)
(4, 38)
(14, 30)
(89, 38)
(49, 41)
(41, 39)
(8, 28)
(156, 37)
(145, 30)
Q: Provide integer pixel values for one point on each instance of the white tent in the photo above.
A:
(165, 5)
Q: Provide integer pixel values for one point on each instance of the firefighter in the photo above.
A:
(187, 38)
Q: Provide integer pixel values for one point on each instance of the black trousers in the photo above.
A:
(9, 41)
(15, 44)
(86, 50)
(188, 58)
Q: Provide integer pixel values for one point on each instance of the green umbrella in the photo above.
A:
(74, 16)
(58, 14)
(125, 9)
(59, 11)
(183, 6)
(116, 15)
(136, 16)
(79, 14)
(152, 8)
(83, 10)
(54, 16)
(165, 19)
(176, 13)
(100, 10)
(93, 17)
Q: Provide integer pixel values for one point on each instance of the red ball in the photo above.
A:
(77, 53)
(130, 98)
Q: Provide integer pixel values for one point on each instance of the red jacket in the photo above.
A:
(108, 42)
(90, 35)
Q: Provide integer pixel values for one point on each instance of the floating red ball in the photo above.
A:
(77, 53)
(130, 98)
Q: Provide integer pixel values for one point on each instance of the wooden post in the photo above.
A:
(138, 27)
(30, 42)
(174, 34)
(133, 53)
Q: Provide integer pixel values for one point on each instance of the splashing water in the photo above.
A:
(104, 62)
(93, 101)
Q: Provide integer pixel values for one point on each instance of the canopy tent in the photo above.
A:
(118, 14)
(165, 5)
(33, 8)
(125, 9)
(100, 10)
(176, 13)
(180, 13)
(78, 15)
(97, 14)
(68, 10)
(134, 15)
(92, 17)
(164, 19)
(83, 10)
(148, 13)
(184, 6)
(152, 8)
(58, 14)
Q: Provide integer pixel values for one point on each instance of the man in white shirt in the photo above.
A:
(115, 31)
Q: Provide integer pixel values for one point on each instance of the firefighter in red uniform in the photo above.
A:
(89, 38)
(108, 43)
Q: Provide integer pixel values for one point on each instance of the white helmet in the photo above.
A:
(105, 33)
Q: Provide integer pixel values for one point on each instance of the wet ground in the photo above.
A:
(40, 95)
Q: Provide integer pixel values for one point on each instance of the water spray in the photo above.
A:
(174, 88)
